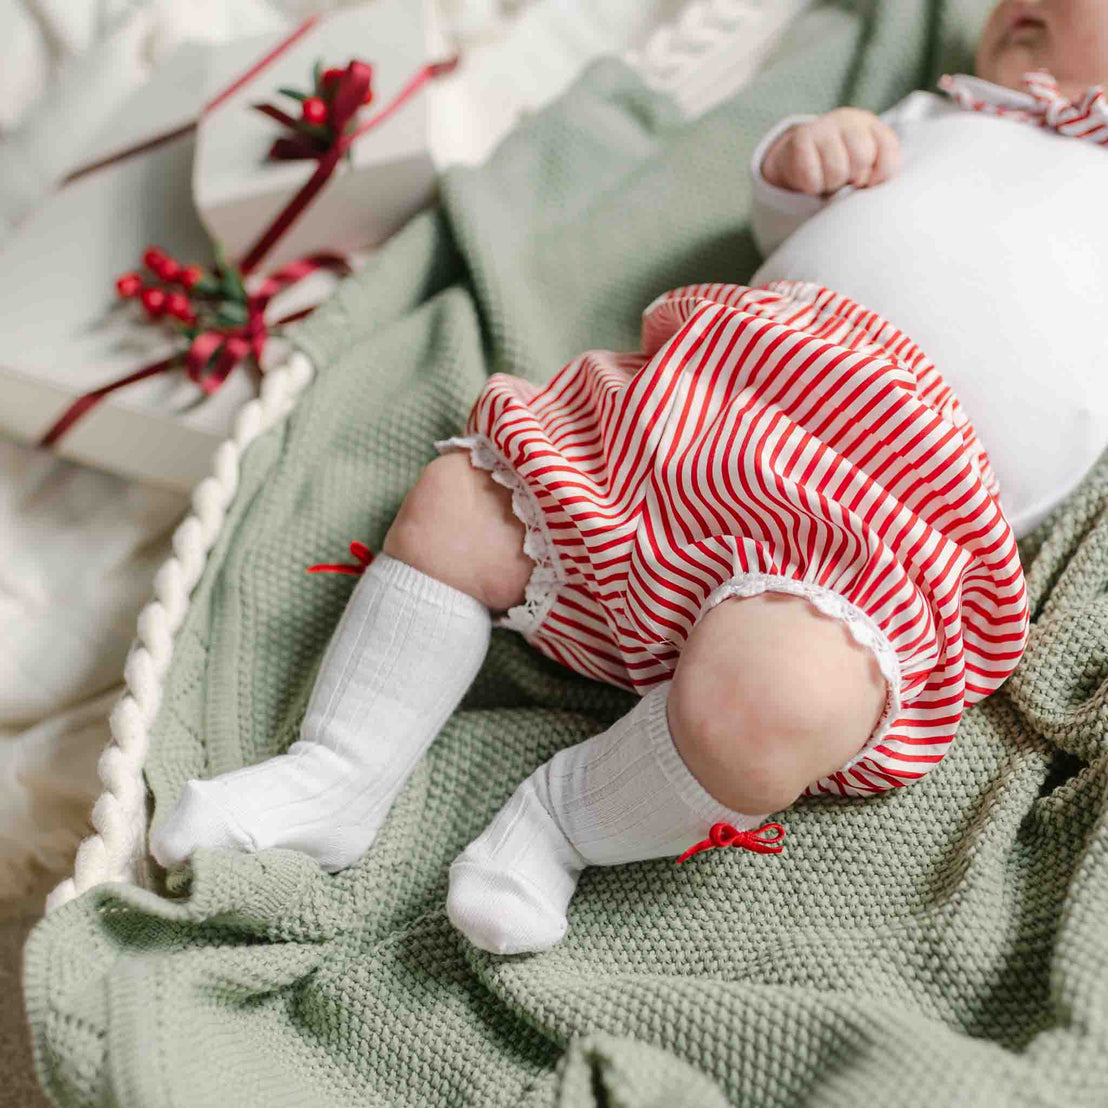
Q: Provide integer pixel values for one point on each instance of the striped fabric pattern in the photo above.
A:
(779, 438)
(1043, 104)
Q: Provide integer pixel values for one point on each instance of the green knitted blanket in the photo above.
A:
(946, 944)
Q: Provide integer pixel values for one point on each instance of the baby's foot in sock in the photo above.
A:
(510, 888)
(624, 795)
(203, 817)
(310, 799)
(401, 659)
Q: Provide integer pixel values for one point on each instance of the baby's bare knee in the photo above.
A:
(769, 695)
(456, 524)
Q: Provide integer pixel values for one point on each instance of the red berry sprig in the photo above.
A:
(328, 110)
(183, 293)
(316, 105)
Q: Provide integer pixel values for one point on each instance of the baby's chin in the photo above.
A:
(1009, 73)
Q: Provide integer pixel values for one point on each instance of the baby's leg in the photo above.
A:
(768, 696)
(407, 647)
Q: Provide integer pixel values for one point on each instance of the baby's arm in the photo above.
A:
(802, 163)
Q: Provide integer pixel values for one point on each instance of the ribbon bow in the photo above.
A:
(346, 91)
(766, 839)
(214, 355)
(347, 98)
(1042, 103)
(361, 554)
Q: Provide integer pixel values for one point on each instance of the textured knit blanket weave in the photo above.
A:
(944, 944)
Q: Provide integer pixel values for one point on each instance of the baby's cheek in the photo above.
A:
(1081, 45)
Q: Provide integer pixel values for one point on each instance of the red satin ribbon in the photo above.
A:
(362, 555)
(213, 355)
(89, 400)
(168, 136)
(767, 839)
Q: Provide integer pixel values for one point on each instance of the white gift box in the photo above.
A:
(389, 174)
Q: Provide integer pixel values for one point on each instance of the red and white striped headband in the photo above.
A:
(1042, 103)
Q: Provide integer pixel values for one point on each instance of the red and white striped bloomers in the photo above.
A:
(779, 438)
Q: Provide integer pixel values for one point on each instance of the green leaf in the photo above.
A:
(232, 286)
(317, 77)
(230, 315)
(206, 287)
(314, 131)
(294, 93)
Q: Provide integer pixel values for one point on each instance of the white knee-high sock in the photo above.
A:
(403, 655)
(623, 796)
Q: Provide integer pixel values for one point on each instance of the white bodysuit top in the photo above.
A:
(989, 248)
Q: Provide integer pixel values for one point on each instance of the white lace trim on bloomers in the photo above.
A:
(547, 576)
(861, 627)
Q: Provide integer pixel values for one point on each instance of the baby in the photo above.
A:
(774, 522)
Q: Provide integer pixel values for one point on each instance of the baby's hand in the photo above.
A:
(846, 146)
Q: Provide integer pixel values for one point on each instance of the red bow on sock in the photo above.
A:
(766, 839)
(362, 556)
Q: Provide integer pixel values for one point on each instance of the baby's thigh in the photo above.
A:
(456, 524)
(768, 696)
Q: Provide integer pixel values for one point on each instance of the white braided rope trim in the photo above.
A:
(117, 849)
(861, 627)
(712, 49)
